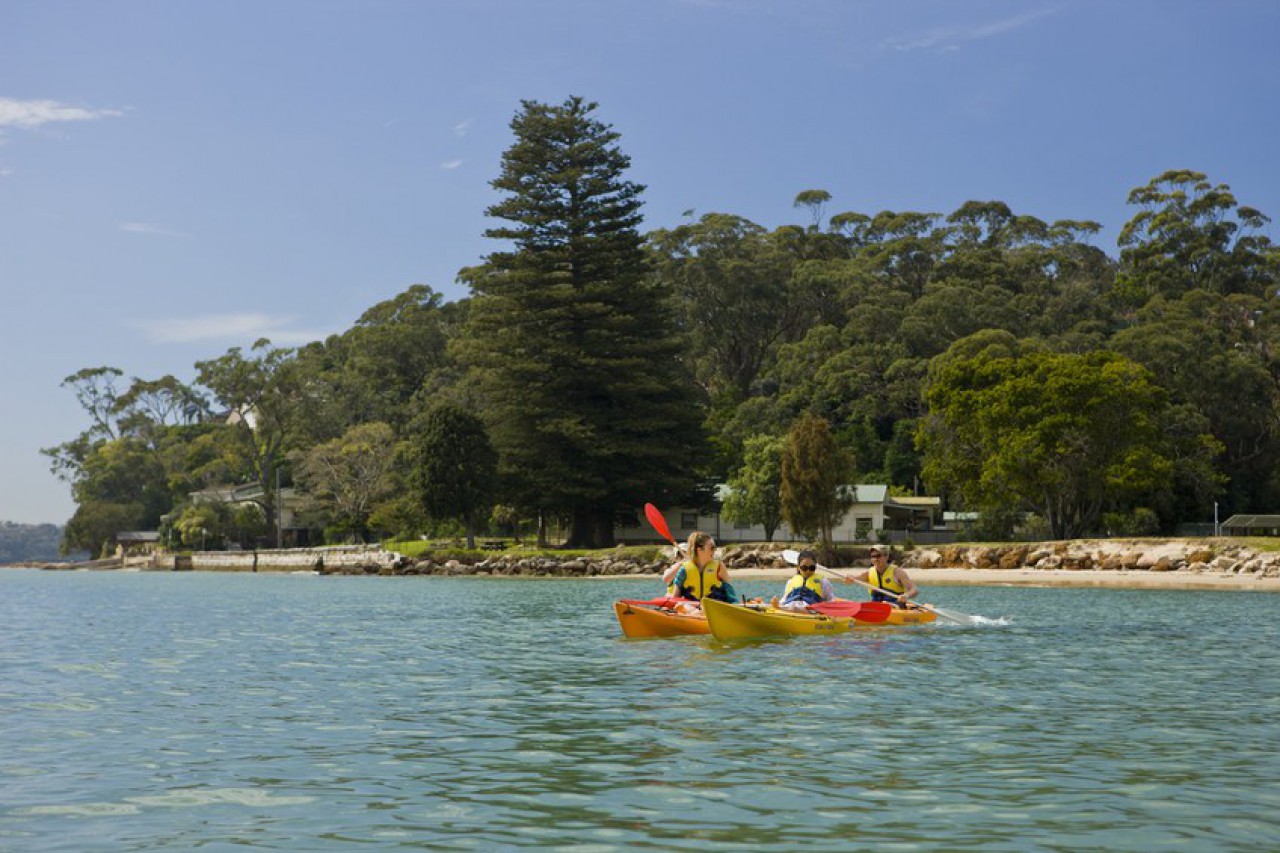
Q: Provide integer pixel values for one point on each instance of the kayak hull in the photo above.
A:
(907, 617)
(640, 621)
(738, 622)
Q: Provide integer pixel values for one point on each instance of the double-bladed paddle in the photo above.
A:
(793, 557)
(863, 611)
(666, 601)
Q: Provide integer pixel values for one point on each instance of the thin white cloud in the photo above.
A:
(463, 127)
(27, 115)
(226, 327)
(451, 164)
(951, 38)
(144, 228)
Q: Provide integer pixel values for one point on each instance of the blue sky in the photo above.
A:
(179, 178)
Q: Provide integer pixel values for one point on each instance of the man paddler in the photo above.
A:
(886, 578)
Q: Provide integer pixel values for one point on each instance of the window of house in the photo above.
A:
(688, 520)
(862, 528)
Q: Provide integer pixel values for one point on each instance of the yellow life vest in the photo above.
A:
(811, 586)
(887, 581)
(698, 584)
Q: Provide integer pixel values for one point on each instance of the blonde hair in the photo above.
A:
(697, 539)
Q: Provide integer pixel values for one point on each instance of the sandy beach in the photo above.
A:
(1113, 579)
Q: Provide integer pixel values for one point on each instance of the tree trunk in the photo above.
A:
(590, 527)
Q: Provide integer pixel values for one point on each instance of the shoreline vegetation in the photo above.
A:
(1188, 564)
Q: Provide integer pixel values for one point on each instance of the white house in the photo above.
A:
(874, 516)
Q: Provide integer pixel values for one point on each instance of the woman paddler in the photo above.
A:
(702, 575)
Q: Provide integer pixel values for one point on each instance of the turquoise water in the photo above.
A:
(280, 712)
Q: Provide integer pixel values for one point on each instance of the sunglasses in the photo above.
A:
(804, 568)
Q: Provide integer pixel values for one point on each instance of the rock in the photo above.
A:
(1014, 558)
(1164, 564)
(1078, 563)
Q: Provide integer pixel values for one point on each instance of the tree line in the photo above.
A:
(992, 357)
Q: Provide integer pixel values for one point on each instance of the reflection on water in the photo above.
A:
(160, 711)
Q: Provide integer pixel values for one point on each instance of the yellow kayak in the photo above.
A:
(741, 622)
(639, 619)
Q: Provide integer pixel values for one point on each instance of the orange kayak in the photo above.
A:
(639, 619)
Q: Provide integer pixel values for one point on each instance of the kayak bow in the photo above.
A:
(642, 620)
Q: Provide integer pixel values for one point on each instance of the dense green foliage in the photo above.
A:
(989, 356)
(577, 366)
(814, 470)
(456, 471)
(755, 491)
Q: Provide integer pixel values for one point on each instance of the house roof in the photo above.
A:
(1252, 521)
(920, 500)
(138, 536)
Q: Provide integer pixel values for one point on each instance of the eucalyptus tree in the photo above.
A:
(130, 465)
(260, 394)
(349, 477)
(1063, 435)
(1191, 234)
(755, 491)
(374, 371)
(731, 279)
(580, 369)
(1211, 353)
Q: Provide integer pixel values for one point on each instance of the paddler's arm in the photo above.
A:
(828, 594)
(669, 575)
(908, 585)
(863, 576)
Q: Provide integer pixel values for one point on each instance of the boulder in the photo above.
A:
(1014, 558)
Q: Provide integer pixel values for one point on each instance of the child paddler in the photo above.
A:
(805, 587)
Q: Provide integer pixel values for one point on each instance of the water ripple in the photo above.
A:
(154, 712)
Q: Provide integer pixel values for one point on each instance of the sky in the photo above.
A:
(180, 178)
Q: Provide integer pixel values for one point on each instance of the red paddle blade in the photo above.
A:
(664, 601)
(659, 523)
(874, 611)
(844, 609)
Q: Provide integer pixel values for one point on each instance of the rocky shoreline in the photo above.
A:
(1138, 563)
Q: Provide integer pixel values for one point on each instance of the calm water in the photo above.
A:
(176, 711)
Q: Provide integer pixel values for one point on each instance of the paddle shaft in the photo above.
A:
(961, 619)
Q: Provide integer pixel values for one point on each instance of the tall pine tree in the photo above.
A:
(580, 370)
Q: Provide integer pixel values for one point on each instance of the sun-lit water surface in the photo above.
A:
(294, 712)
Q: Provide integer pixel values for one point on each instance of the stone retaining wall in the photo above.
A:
(1221, 556)
(340, 557)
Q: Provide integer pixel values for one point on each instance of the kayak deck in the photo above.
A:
(646, 621)
(740, 622)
